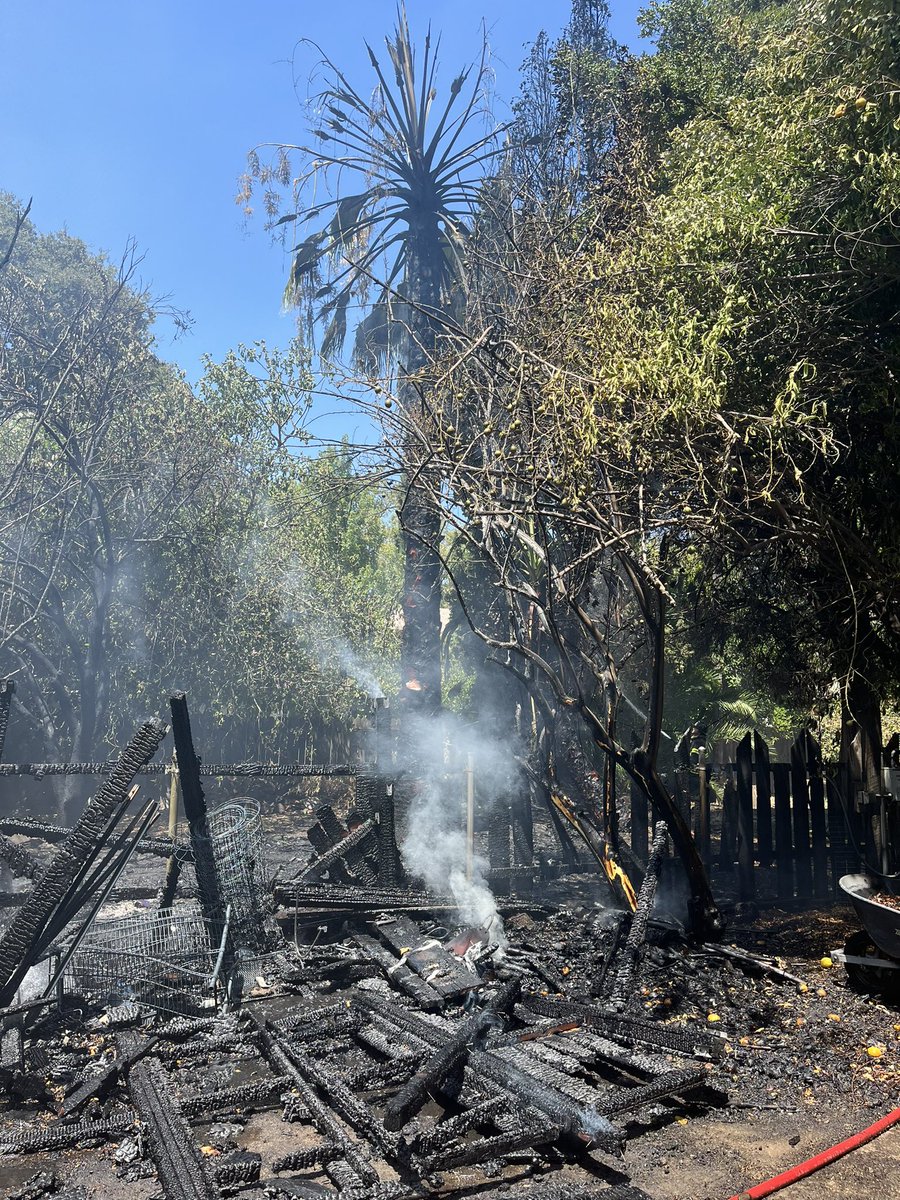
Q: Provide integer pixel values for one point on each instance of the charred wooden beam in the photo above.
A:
(261, 1093)
(280, 1055)
(195, 810)
(181, 1168)
(567, 1116)
(623, 982)
(83, 843)
(207, 771)
(343, 851)
(237, 1170)
(629, 1030)
(407, 1102)
(130, 1052)
(59, 1135)
(311, 1156)
(399, 973)
(162, 847)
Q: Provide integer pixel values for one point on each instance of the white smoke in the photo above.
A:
(434, 849)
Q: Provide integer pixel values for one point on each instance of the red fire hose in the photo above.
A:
(786, 1178)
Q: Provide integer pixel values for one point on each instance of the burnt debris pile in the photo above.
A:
(258, 1028)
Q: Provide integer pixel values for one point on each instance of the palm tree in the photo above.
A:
(404, 175)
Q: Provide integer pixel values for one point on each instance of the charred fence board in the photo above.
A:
(800, 815)
(765, 844)
(744, 784)
(729, 835)
(819, 829)
(51, 887)
(841, 831)
(784, 840)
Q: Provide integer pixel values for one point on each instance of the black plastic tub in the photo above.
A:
(882, 923)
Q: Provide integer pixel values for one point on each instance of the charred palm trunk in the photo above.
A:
(420, 522)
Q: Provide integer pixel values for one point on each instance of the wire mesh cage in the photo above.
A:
(235, 836)
(167, 960)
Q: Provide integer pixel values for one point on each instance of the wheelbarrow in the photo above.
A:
(871, 956)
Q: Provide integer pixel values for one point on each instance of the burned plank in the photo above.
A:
(399, 973)
(564, 1115)
(181, 1168)
(407, 1102)
(130, 1052)
(354, 1157)
(621, 989)
(445, 972)
(18, 945)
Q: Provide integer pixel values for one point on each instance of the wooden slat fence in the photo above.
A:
(787, 830)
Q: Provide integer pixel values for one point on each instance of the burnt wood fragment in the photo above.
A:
(441, 970)
(181, 1168)
(195, 811)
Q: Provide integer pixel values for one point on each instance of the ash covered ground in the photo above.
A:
(760, 1063)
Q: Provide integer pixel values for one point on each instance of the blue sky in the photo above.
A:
(132, 120)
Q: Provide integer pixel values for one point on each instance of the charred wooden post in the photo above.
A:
(18, 944)
(181, 1168)
(195, 810)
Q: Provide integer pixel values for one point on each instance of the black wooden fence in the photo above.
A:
(783, 829)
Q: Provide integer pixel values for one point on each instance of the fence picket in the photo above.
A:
(763, 800)
(800, 813)
(817, 818)
(746, 877)
(784, 845)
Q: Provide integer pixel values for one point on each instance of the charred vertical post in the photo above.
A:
(624, 977)
(7, 687)
(195, 812)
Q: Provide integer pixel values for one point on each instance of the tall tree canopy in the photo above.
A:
(403, 172)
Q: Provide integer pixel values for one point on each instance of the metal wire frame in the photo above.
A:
(161, 959)
(236, 841)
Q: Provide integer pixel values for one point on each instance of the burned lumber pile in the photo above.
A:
(388, 1046)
